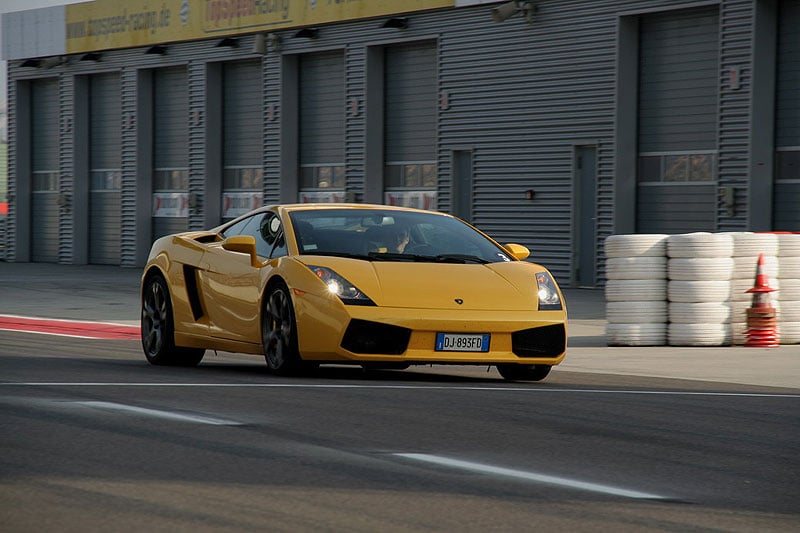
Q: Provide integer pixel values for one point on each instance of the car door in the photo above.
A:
(231, 284)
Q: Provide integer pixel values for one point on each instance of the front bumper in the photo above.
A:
(381, 334)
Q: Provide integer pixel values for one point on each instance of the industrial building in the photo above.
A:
(550, 123)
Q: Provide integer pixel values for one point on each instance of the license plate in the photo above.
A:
(462, 342)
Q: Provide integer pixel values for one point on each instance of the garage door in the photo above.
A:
(105, 169)
(170, 151)
(243, 133)
(322, 127)
(410, 93)
(677, 130)
(45, 171)
(787, 120)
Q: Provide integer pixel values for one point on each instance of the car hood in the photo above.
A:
(495, 286)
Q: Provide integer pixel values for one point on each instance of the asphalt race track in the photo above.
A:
(94, 438)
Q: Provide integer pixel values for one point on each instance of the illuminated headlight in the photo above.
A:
(548, 294)
(336, 284)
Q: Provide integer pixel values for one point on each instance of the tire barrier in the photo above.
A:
(698, 284)
(636, 306)
(788, 295)
(702, 262)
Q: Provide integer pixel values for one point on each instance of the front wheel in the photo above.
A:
(514, 372)
(158, 328)
(279, 332)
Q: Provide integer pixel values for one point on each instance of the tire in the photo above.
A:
(789, 267)
(515, 372)
(752, 244)
(699, 313)
(636, 245)
(637, 290)
(700, 244)
(279, 332)
(789, 310)
(789, 245)
(636, 334)
(747, 266)
(699, 291)
(158, 328)
(789, 332)
(699, 335)
(636, 312)
(701, 269)
(636, 268)
(789, 289)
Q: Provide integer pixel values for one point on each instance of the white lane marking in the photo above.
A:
(533, 389)
(155, 413)
(530, 476)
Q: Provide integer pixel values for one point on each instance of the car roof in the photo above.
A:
(318, 206)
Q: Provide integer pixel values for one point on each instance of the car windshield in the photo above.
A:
(390, 235)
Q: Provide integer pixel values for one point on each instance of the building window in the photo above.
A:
(174, 179)
(672, 167)
(242, 178)
(322, 177)
(410, 175)
(106, 180)
(45, 181)
(787, 164)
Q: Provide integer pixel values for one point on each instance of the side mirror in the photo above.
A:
(243, 244)
(518, 251)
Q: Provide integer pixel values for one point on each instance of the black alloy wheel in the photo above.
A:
(158, 330)
(279, 333)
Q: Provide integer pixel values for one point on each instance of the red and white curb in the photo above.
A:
(82, 329)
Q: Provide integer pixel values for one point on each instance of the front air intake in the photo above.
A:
(363, 336)
(546, 341)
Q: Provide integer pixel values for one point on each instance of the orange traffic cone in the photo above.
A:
(762, 320)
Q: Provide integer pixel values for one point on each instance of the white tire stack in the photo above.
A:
(789, 294)
(699, 270)
(746, 249)
(636, 289)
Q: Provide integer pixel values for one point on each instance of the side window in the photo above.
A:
(240, 228)
(271, 234)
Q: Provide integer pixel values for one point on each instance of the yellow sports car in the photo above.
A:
(373, 285)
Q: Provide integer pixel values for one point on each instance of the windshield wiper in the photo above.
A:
(341, 254)
(460, 258)
(442, 258)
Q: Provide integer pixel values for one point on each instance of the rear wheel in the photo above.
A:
(158, 328)
(514, 372)
(279, 332)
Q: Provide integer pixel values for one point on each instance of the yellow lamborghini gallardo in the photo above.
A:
(373, 285)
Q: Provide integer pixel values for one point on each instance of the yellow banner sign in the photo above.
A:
(108, 24)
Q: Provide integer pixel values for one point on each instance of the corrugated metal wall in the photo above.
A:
(678, 105)
(170, 150)
(242, 137)
(105, 169)
(519, 96)
(735, 85)
(45, 171)
(787, 119)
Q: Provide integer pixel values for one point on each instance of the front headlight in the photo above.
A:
(346, 291)
(548, 294)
